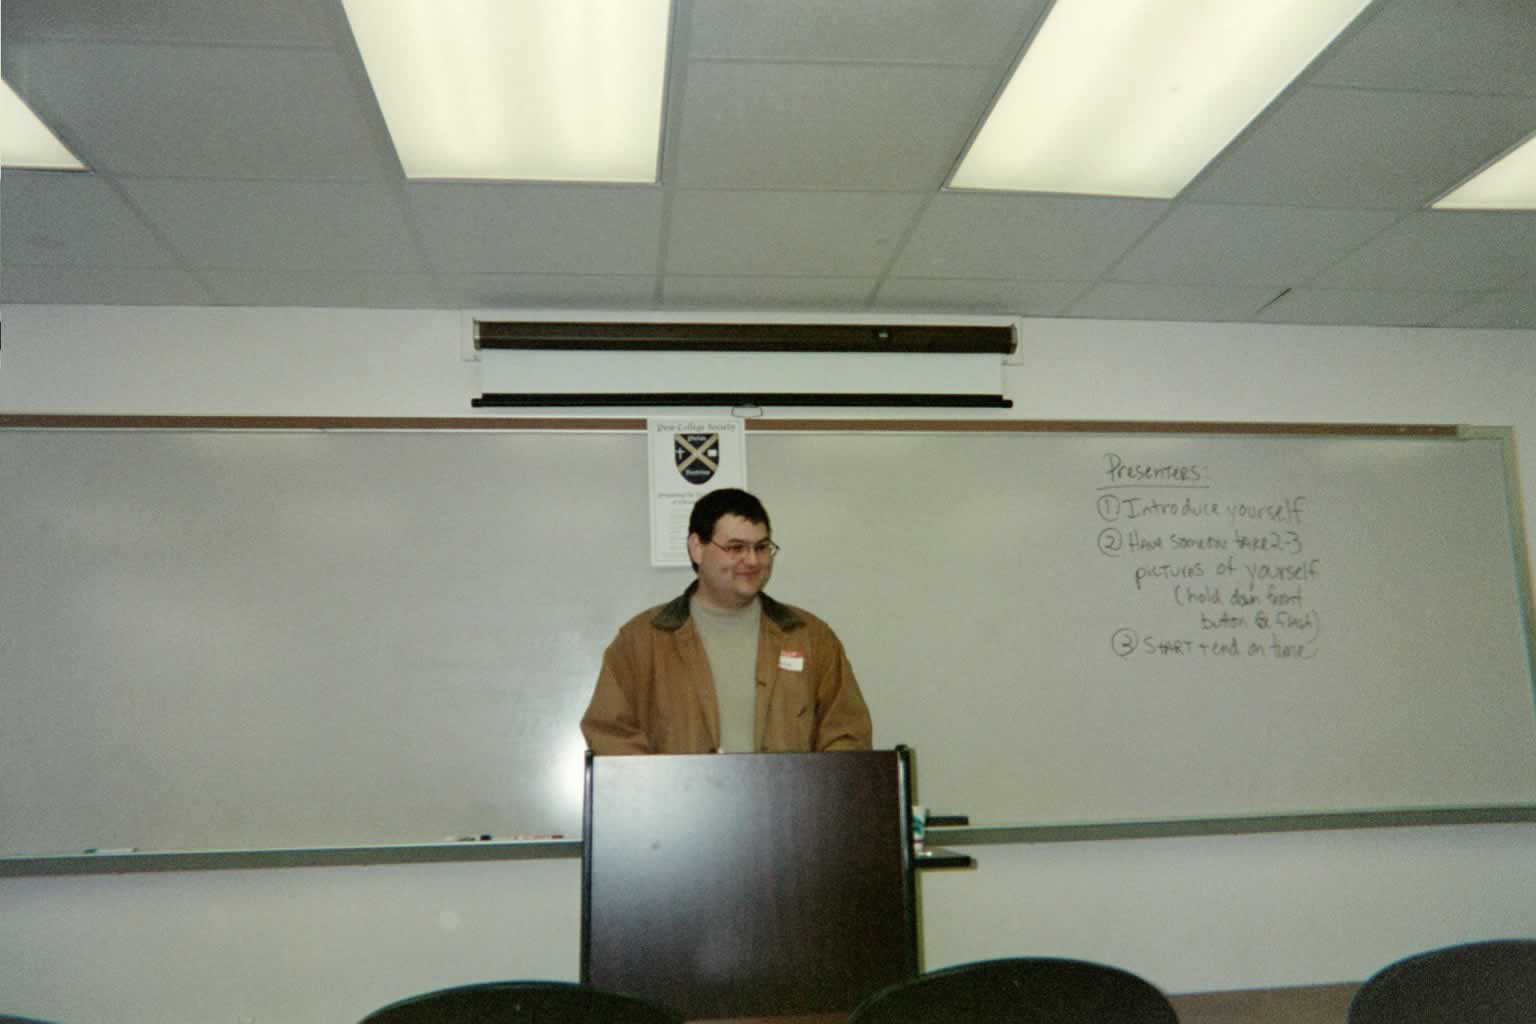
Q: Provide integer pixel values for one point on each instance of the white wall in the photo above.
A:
(296, 946)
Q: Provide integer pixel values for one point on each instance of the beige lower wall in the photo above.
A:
(1312, 1004)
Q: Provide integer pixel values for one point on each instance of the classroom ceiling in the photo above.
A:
(238, 157)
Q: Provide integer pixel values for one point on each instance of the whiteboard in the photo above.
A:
(252, 639)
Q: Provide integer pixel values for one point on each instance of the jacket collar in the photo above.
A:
(675, 612)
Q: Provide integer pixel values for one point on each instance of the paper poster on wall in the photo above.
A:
(689, 457)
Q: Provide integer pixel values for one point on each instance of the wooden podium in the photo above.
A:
(748, 885)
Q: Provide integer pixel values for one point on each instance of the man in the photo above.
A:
(725, 667)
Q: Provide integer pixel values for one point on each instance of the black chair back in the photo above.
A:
(1475, 983)
(1024, 990)
(522, 1002)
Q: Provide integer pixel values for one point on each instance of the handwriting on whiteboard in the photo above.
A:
(1236, 569)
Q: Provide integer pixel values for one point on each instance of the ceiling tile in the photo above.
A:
(1253, 245)
(1033, 238)
(71, 219)
(98, 286)
(539, 229)
(273, 22)
(237, 112)
(856, 126)
(1348, 147)
(1171, 302)
(1509, 309)
(701, 291)
(264, 225)
(317, 288)
(1469, 46)
(1376, 308)
(838, 234)
(944, 31)
(492, 291)
(1028, 298)
(1442, 250)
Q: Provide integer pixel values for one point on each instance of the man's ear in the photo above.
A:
(695, 548)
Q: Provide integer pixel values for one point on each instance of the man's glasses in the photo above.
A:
(739, 549)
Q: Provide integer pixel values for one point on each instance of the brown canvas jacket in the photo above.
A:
(655, 694)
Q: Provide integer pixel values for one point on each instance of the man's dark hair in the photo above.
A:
(727, 501)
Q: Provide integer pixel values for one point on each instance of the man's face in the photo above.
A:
(727, 581)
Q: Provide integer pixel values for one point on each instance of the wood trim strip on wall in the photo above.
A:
(558, 423)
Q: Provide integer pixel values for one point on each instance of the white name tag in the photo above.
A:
(792, 661)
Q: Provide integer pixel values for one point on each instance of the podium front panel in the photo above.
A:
(738, 885)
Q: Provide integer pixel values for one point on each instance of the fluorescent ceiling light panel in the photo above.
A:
(25, 142)
(1508, 183)
(544, 90)
(1135, 97)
